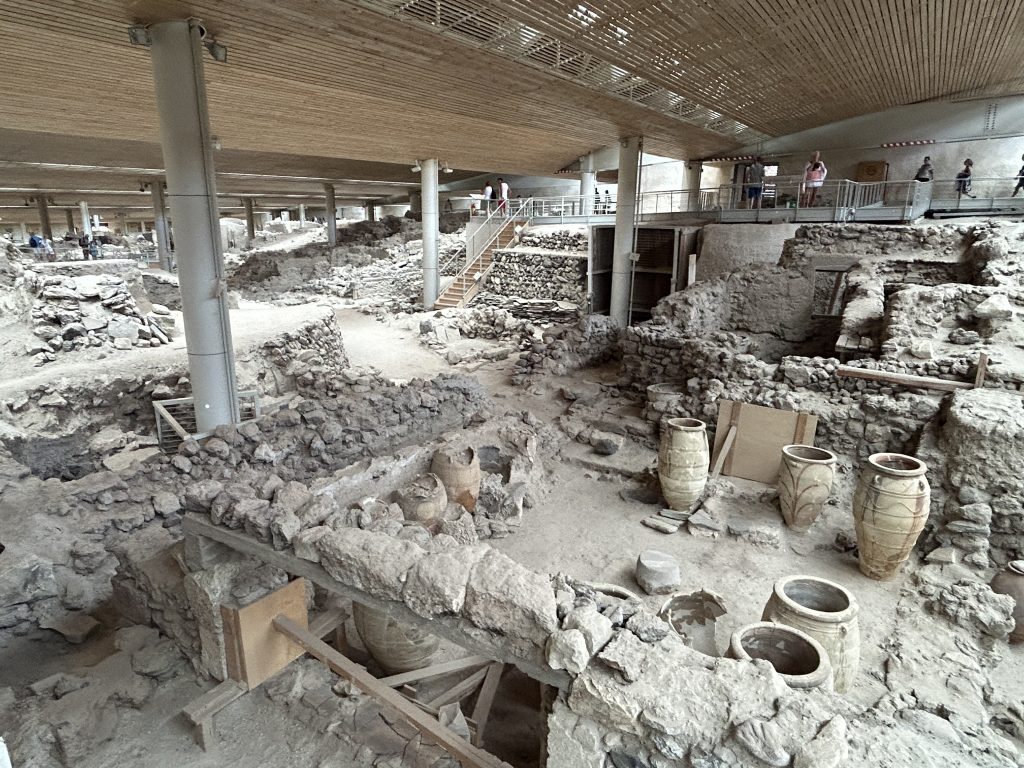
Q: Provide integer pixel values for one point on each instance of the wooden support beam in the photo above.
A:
(328, 621)
(904, 379)
(484, 701)
(434, 670)
(979, 376)
(469, 755)
(286, 560)
(200, 711)
(459, 691)
(724, 453)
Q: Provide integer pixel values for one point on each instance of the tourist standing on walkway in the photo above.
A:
(963, 180)
(488, 193)
(502, 197)
(814, 176)
(754, 178)
(925, 173)
(1020, 180)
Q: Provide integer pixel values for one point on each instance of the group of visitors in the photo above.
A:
(963, 179)
(499, 193)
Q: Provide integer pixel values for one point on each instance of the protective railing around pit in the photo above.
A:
(565, 207)
(980, 193)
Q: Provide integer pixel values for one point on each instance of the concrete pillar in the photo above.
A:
(371, 212)
(192, 195)
(332, 215)
(694, 169)
(625, 222)
(431, 221)
(588, 183)
(250, 222)
(24, 231)
(122, 222)
(44, 217)
(161, 231)
(302, 214)
(415, 202)
(69, 219)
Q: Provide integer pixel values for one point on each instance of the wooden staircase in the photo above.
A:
(469, 281)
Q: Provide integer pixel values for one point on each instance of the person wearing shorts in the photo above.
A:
(814, 177)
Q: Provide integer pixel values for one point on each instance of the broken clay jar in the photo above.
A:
(805, 482)
(423, 499)
(662, 400)
(799, 659)
(459, 470)
(825, 611)
(890, 508)
(395, 646)
(1011, 582)
(683, 460)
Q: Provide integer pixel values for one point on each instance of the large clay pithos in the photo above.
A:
(662, 399)
(683, 460)
(825, 611)
(799, 659)
(459, 470)
(1011, 582)
(890, 508)
(805, 482)
(395, 646)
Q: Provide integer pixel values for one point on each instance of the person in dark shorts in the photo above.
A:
(754, 178)
(963, 180)
(1020, 180)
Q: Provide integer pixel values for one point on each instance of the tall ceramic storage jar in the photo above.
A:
(459, 470)
(890, 508)
(395, 646)
(683, 460)
(825, 611)
(805, 482)
(662, 399)
(1011, 582)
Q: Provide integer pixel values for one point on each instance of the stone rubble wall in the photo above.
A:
(590, 342)
(559, 240)
(553, 275)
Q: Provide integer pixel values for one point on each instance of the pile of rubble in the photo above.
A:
(560, 240)
(538, 311)
(72, 313)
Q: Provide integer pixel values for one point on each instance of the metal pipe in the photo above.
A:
(192, 195)
(625, 215)
(431, 222)
(161, 231)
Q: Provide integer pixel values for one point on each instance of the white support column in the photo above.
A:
(415, 202)
(625, 222)
(69, 219)
(431, 222)
(588, 184)
(44, 217)
(122, 222)
(302, 214)
(332, 215)
(95, 221)
(161, 232)
(250, 222)
(371, 211)
(192, 195)
(24, 231)
(694, 169)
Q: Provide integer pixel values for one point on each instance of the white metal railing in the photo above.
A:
(979, 193)
(572, 206)
(838, 200)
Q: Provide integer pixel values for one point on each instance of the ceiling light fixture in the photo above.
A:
(416, 167)
(445, 168)
(139, 35)
(218, 51)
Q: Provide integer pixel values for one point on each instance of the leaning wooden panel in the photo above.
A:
(760, 434)
(255, 651)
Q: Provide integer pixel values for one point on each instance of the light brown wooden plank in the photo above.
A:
(485, 700)
(904, 379)
(459, 690)
(434, 670)
(456, 746)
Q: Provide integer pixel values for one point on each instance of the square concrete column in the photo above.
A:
(625, 225)
(161, 229)
(588, 184)
(250, 222)
(431, 224)
(192, 196)
(371, 212)
(332, 215)
(302, 214)
(69, 219)
(694, 170)
(44, 216)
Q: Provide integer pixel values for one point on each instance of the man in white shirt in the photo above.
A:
(503, 196)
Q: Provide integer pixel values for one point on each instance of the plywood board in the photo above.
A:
(255, 650)
(760, 435)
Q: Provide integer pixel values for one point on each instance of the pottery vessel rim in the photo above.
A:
(794, 451)
(824, 663)
(456, 454)
(832, 617)
(916, 466)
(687, 424)
(1017, 566)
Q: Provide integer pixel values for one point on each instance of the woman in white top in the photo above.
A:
(814, 176)
(488, 194)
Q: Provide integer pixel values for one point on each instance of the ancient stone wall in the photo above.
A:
(539, 275)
